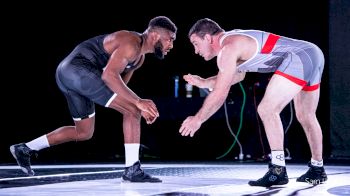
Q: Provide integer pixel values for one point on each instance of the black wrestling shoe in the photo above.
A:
(277, 175)
(315, 175)
(22, 154)
(134, 173)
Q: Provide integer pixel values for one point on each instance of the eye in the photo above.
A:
(166, 39)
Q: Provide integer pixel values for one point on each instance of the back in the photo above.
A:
(271, 51)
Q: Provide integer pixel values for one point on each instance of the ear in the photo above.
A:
(155, 36)
(208, 38)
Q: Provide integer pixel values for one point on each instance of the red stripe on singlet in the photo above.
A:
(298, 81)
(270, 43)
(292, 78)
(311, 88)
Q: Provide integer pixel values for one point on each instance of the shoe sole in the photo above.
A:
(129, 181)
(313, 181)
(279, 183)
(12, 150)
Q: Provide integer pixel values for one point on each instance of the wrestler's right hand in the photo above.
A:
(195, 80)
(147, 105)
(148, 117)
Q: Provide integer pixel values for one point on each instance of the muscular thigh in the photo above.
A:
(82, 85)
(123, 105)
(307, 101)
(279, 92)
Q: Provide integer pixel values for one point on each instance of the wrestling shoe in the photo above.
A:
(277, 175)
(134, 173)
(315, 175)
(22, 154)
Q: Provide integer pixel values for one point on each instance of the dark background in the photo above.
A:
(38, 37)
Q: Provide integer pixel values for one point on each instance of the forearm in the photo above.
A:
(217, 97)
(126, 78)
(210, 82)
(212, 104)
(118, 86)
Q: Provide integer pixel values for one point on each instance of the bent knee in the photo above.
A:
(261, 110)
(132, 112)
(136, 115)
(83, 135)
(125, 108)
(266, 110)
(305, 118)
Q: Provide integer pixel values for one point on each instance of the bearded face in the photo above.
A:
(158, 50)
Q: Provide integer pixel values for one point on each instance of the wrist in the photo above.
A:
(137, 102)
(198, 119)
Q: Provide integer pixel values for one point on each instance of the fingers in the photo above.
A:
(149, 107)
(185, 129)
(186, 132)
(187, 77)
(193, 80)
(154, 109)
(148, 120)
(151, 120)
(192, 133)
(147, 116)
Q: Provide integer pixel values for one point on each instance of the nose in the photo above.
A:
(171, 45)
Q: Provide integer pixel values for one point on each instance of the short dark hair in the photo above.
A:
(162, 22)
(205, 26)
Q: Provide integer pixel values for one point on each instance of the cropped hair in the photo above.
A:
(205, 26)
(162, 22)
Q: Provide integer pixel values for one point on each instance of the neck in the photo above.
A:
(216, 41)
(146, 45)
(219, 36)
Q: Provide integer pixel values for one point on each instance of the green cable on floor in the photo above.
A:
(240, 123)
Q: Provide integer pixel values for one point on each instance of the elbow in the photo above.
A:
(238, 78)
(106, 77)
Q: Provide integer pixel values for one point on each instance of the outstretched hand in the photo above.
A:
(194, 80)
(190, 126)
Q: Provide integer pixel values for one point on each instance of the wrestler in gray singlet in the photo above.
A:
(299, 61)
(79, 78)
